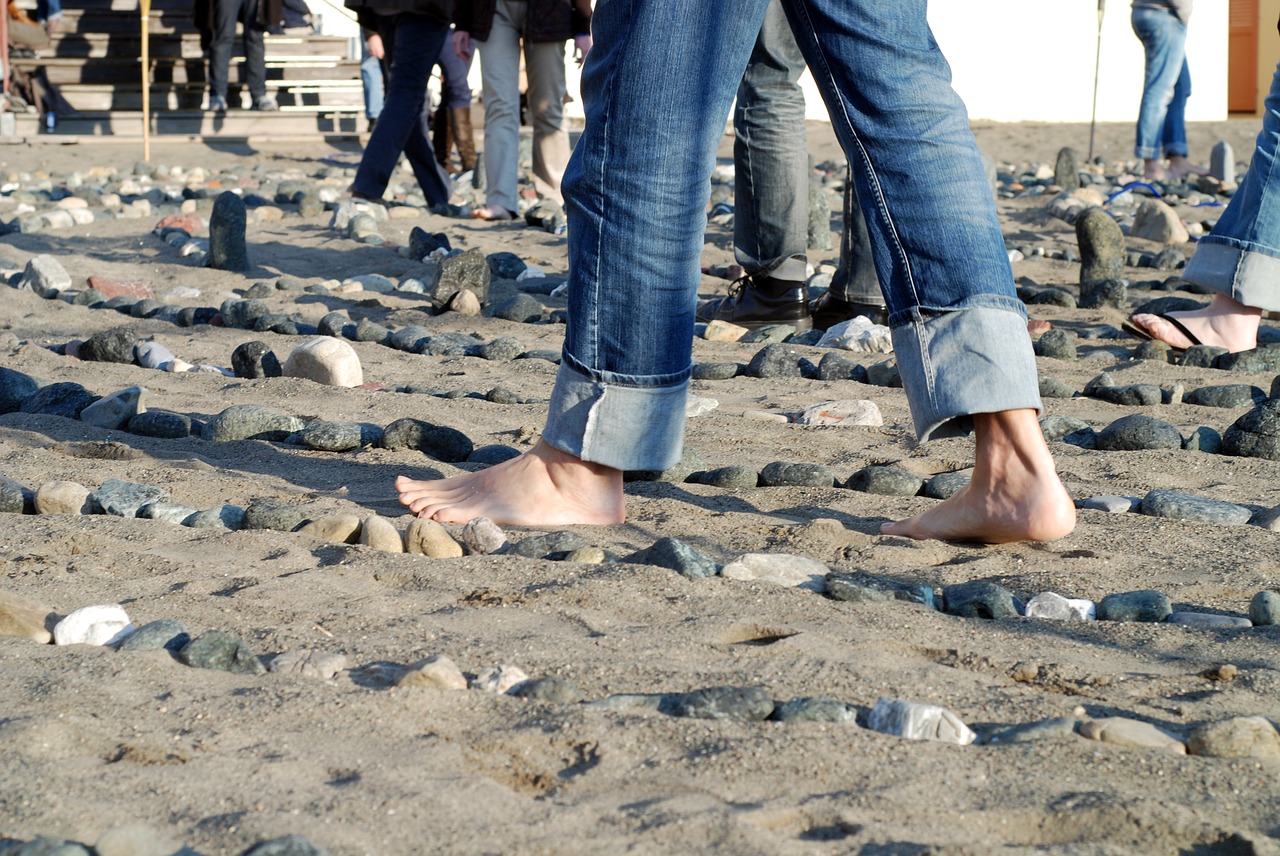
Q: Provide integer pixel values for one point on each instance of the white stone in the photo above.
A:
(153, 355)
(374, 282)
(81, 217)
(92, 625)
(1121, 731)
(309, 664)
(381, 534)
(482, 536)
(1054, 607)
(45, 275)
(1156, 221)
(860, 335)
(847, 413)
(723, 331)
(437, 671)
(62, 497)
(917, 721)
(780, 569)
(1112, 504)
(697, 405)
(499, 679)
(115, 410)
(531, 272)
(325, 360)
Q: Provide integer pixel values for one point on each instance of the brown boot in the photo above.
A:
(441, 136)
(460, 125)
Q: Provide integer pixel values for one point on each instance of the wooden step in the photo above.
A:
(293, 121)
(118, 71)
(346, 94)
(187, 46)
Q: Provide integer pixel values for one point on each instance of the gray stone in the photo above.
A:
(1156, 221)
(492, 454)
(1145, 605)
(44, 847)
(1138, 431)
(255, 360)
(165, 633)
(438, 441)
(251, 422)
(220, 517)
(160, 423)
(630, 702)
(946, 485)
(265, 512)
(1101, 243)
(220, 651)
(1057, 427)
(1204, 439)
(506, 265)
(64, 399)
(837, 367)
(816, 709)
(1111, 504)
(289, 845)
(1261, 359)
(1264, 609)
(1222, 162)
(1238, 737)
(1255, 434)
(242, 314)
(336, 323)
(1208, 620)
(423, 243)
(45, 275)
(775, 361)
(110, 346)
(1054, 297)
(13, 497)
(787, 474)
(549, 545)
(331, 436)
(520, 308)
(1060, 728)
(678, 556)
(469, 270)
(1153, 350)
(168, 512)
(979, 599)
(116, 410)
(368, 331)
(136, 839)
(1103, 293)
(15, 388)
(501, 349)
(1066, 170)
(448, 345)
(1057, 344)
(856, 589)
(715, 371)
(781, 569)
(819, 225)
(1202, 356)
(227, 250)
(551, 690)
(884, 374)
(482, 537)
(125, 499)
(1175, 505)
(741, 704)
(731, 478)
(885, 481)
(412, 339)
(916, 721)
(1132, 395)
(1226, 395)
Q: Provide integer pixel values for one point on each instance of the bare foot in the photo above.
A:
(1153, 170)
(1015, 493)
(1224, 323)
(542, 487)
(492, 212)
(1181, 166)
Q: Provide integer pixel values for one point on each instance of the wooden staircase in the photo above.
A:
(94, 61)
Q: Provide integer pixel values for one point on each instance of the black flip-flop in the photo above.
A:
(1143, 333)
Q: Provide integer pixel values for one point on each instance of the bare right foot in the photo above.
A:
(1224, 323)
(492, 212)
(542, 487)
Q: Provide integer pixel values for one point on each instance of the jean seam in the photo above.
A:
(926, 364)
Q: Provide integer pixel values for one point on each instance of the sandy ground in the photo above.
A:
(92, 739)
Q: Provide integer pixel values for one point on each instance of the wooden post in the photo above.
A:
(145, 7)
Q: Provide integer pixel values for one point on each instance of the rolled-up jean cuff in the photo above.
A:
(1247, 276)
(957, 364)
(619, 425)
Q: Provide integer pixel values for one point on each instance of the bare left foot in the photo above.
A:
(1224, 323)
(1181, 166)
(1015, 493)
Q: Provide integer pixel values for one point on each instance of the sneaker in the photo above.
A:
(758, 301)
(217, 104)
(265, 104)
(829, 310)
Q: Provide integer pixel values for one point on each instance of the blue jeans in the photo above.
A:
(371, 79)
(412, 42)
(455, 91)
(1166, 84)
(656, 89)
(1241, 256)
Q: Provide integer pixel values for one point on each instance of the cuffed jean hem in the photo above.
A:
(1247, 276)
(957, 364)
(618, 425)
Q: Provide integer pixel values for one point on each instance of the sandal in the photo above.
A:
(1134, 329)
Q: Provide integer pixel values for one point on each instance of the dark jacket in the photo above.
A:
(547, 21)
(270, 14)
(366, 10)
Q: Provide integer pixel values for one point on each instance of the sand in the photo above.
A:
(92, 739)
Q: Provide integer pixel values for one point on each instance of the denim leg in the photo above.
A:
(959, 330)
(224, 38)
(500, 79)
(457, 92)
(770, 151)
(1164, 42)
(1173, 138)
(1241, 256)
(412, 41)
(656, 88)
(855, 279)
(371, 79)
(255, 50)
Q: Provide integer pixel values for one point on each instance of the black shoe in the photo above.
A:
(828, 311)
(758, 301)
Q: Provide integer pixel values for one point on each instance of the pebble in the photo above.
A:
(1101, 243)
(13, 497)
(550, 546)
(492, 454)
(137, 839)
(1121, 731)
(1132, 395)
(1238, 737)
(589, 556)
(1255, 434)
(779, 569)
(697, 405)
(124, 499)
(152, 355)
(318, 665)
(24, 618)
(437, 672)
(1222, 163)
(498, 679)
(380, 534)
(551, 690)
(916, 721)
(723, 331)
(675, 555)
(114, 411)
(59, 399)
(92, 625)
(1066, 170)
(837, 367)
(502, 349)
(332, 436)
(1208, 620)
(1145, 605)
(1184, 506)
(63, 497)
(885, 480)
(110, 346)
(1057, 344)
(1058, 728)
(220, 517)
(1156, 221)
(1052, 606)
(468, 270)
(335, 528)
(429, 538)
(325, 360)
(265, 512)
(222, 652)
(846, 413)
(482, 537)
(1264, 609)
(1202, 356)
(816, 709)
(630, 702)
(1111, 504)
(979, 599)
(438, 441)
(44, 847)
(730, 478)
(742, 704)
(1226, 395)
(1138, 431)
(946, 485)
(1103, 293)
(251, 422)
(45, 275)
(168, 512)
(289, 845)
(787, 474)
(1262, 359)
(227, 250)
(775, 361)
(15, 388)
(1204, 439)
(255, 360)
(165, 633)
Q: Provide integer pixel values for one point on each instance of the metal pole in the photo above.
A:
(1097, 64)
(145, 7)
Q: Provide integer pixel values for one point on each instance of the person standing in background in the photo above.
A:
(1161, 25)
(216, 20)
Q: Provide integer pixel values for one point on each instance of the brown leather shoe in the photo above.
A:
(829, 310)
(758, 302)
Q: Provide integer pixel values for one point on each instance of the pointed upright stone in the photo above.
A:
(1222, 162)
(1066, 171)
(227, 249)
(1101, 242)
